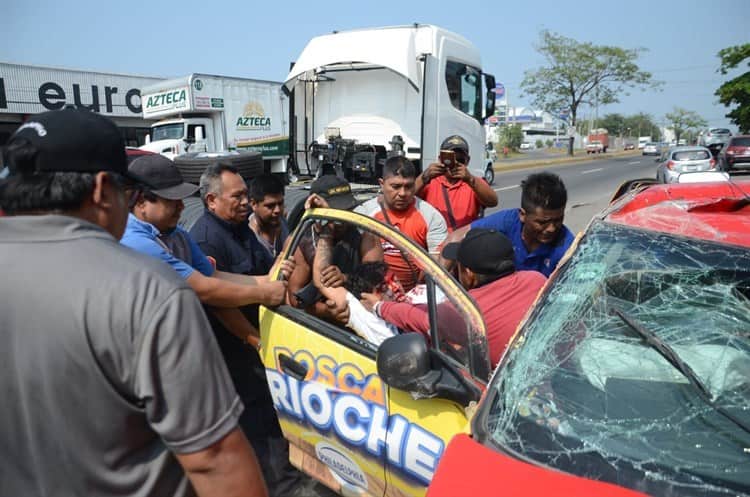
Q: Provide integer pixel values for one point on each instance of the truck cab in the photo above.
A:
(360, 96)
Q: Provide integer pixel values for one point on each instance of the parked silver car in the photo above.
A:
(714, 135)
(682, 160)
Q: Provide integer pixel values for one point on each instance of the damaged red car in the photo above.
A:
(631, 375)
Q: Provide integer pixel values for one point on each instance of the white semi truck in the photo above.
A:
(359, 96)
(207, 114)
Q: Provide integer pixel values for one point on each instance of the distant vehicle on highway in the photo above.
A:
(630, 375)
(526, 146)
(642, 141)
(714, 135)
(735, 155)
(629, 146)
(682, 160)
(651, 148)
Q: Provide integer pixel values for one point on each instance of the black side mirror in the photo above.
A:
(489, 103)
(405, 362)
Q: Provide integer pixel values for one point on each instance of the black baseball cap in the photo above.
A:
(73, 140)
(336, 191)
(484, 251)
(162, 177)
(455, 142)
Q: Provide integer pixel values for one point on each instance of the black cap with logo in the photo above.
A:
(162, 177)
(336, 191)
(455, 142)
(73, 140)
(484, 251)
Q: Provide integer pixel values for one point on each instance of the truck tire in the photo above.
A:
(294, 204)
(190, 214)
(489, 174)
(248, 163)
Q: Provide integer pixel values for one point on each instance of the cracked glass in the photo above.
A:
(581, 392)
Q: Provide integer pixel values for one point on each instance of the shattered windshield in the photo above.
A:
(583, 393)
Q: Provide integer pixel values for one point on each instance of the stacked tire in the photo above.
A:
(248, 163)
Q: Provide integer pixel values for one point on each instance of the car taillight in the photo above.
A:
(670, 164)
(731, 151)
(712, 163)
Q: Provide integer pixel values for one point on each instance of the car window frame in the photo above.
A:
(478, 368)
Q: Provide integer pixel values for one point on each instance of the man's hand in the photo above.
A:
(332, 276)
(460, 172)
(337, 313)
(369, 300)
(433, 170)
(273, 292)
(287, 268)
(315, 200)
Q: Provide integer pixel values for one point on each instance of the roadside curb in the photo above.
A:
(499, 166)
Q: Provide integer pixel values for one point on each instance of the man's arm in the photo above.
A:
(322, 260)
(433, 170)
(219, 292)
(237, 324)
(228, 468)
(484, 192)
(370, 248)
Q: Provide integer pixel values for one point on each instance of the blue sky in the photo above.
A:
(259, 39)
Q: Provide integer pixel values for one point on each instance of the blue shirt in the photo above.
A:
(146, 239)
(544, 259)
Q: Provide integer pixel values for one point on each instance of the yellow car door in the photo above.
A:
(345, 426)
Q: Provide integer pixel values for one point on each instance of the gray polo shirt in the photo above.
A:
(107, 365)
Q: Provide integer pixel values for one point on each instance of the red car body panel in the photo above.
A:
(709, 211)
(471, 469)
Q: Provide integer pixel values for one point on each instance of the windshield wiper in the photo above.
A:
(668, 353)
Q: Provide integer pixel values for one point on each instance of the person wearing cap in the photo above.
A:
(102, 366)
(152, 229)
(223, 232)
(452, 189)
(485, 266)
(350, 249)
(397, 206)
(539, 237)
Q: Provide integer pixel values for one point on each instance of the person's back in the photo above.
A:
(503, 304)
(81, 370)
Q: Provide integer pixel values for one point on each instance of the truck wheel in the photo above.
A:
(489, 174)
(193, 210)
(294, 204)
(248, 163)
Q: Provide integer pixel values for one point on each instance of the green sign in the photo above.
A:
(217, 103)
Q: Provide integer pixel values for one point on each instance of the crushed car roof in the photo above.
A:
(711, 211)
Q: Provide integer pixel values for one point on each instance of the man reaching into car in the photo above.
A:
(485, 267)
(350, 249)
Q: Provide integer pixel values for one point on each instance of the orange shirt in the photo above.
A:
(463, 199)
(421, 222)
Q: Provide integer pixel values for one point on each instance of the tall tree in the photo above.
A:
(581, 73)
(682, 121)
(736, 91)
(511, 136)
(643, 124)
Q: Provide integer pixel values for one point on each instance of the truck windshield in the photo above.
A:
(174, 131)
(585, 394)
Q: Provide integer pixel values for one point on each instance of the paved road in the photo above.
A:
(590, 184)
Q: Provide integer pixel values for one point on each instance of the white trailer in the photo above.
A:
(359, 96)
(205, 113)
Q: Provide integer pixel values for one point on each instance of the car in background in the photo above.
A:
(683, 160)
(526, 146)
(631, 374)
(629, 146)
(735, 155)
(714, 135)
(650, 148)
(133, 153)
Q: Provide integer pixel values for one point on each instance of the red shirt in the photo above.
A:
(462, 197)
(503, 304)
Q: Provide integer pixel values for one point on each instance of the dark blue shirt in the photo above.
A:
(544, 259)
(233, 245)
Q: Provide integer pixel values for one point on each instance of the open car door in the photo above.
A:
(345, 426)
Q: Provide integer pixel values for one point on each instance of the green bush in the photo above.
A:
(539, 144)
